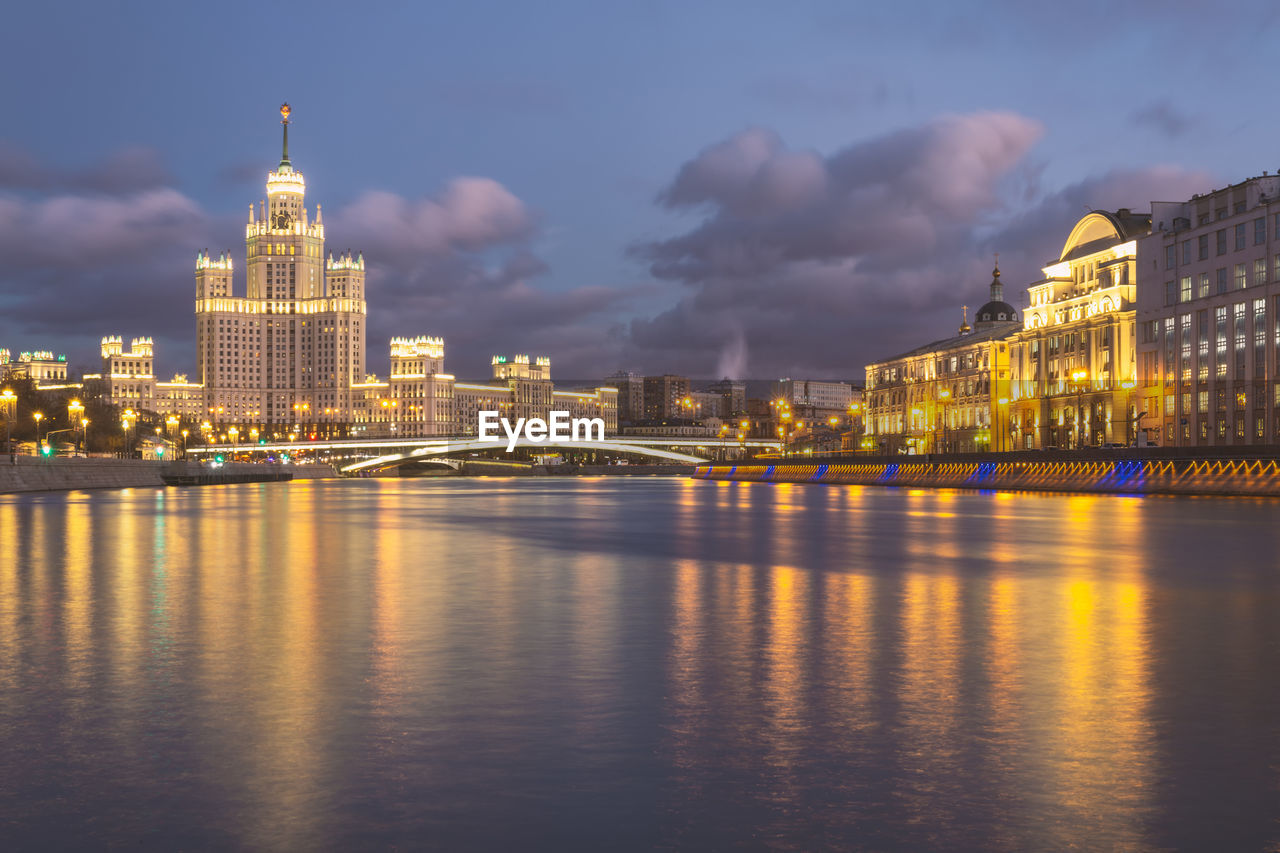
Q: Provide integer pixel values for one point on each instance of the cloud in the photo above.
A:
(1162, 116)
(822, 263)
(124, 172)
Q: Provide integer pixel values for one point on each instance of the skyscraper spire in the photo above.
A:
(284, 120)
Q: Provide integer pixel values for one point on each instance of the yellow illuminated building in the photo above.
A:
(948, 396)
(1073, 362)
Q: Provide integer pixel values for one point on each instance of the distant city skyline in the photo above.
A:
(707, 190)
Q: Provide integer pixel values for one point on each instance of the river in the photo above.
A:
(636, 663)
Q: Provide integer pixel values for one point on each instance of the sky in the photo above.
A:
(746, 189)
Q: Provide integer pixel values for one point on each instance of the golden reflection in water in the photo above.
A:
(391, 593)
(10, 547)
(284, 717)
(77, 597)
(785, 656)
(849, 628)
(929, 640)
(1095, 735)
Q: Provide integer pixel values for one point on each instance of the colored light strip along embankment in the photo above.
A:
(1257, 476)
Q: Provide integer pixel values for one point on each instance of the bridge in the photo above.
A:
(371, 454)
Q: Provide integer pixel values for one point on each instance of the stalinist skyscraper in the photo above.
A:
(289, 350)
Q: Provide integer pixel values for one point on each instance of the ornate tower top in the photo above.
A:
(284, 120)
(964, 324)
(285, 178)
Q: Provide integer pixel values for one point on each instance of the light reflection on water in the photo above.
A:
(630, 663)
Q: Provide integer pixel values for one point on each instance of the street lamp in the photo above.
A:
(75, 410)
(944, 397)
(10, 406)
(126, 420)
(1080, 377)
(184, 443)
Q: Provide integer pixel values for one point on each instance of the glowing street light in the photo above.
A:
(1080, 377)
(9, 402)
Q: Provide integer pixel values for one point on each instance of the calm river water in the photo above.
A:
(634, 663)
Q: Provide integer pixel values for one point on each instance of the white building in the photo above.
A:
(290, 350)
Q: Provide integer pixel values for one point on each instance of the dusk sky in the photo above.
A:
(755, 189)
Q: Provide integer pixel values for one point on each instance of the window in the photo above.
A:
(1241, 283)
(1202, 246)
(1259, 230)
(1221, 238)
(1240, 236)
(1222, 279)
(1260, 271)
(1170, 257)
(1204, 284)
(1202, 402)
(1220, 342)
(1170, 292)
(1186, 251)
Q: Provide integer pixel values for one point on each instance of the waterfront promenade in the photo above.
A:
(1213, 471)
(34, 474)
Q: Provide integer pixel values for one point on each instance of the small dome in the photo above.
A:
(996, 312)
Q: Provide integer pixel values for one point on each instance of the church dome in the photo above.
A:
(997, 310)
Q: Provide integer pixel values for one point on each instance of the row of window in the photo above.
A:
(1238, 238)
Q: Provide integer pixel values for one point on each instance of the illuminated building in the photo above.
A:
(522, 388)
(813, 394)
(43, 367)
(128, 377)
(1208, 317)
(1073, 363)
(290, 351)
(949, 396)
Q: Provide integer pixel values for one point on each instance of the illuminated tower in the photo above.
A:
(287, 352)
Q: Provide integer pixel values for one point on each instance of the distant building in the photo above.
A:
(733, 397)
(41, 367)
(128, 378)
(821, 395)
(664, 396)
(630, 396)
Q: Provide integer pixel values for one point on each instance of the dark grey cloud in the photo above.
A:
(124, 172)
(819, 264)
(1163, 117)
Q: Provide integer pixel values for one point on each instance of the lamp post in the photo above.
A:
(38, 416)
(184, 443)
(1080, 377)
(944, 397)
(126, 420)
(10, 405)
(75, 411)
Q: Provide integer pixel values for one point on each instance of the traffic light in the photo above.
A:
(46, 450)
(218, 458)
(159, 452)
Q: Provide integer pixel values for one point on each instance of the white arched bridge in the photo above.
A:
(368, 454)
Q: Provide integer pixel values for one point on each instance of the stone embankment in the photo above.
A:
(33, 474)
(1236, 475)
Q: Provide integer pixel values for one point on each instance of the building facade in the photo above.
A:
(1074, 361)
(949, 396)
(1208, 318)
(664, 397)
(290, 351)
